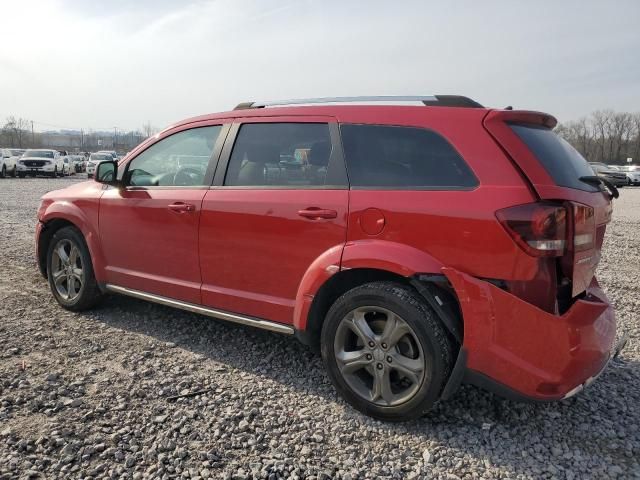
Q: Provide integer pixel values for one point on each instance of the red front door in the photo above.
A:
(149, 226)
(281, 205)
(150, 240)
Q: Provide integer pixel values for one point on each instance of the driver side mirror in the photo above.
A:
(107, 172)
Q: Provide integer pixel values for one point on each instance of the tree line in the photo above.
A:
(605, 136)
(18, 133)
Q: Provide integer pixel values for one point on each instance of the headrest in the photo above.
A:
(262, 153)
(319, 155)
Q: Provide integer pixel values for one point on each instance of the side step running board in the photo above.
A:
(210, 312)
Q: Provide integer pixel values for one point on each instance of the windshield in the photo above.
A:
(39, 153)
(561, 161)
(15, 151)
(101, 156)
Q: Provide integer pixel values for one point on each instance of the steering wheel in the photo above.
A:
(186, 177)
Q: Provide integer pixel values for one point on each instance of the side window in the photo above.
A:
(402, 157)
(280, 154)
(178, 160)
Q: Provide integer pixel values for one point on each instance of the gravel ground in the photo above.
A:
(90, 395)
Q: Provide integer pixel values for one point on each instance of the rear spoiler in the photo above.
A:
(521, 116)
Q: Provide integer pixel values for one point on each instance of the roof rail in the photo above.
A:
(428, 100)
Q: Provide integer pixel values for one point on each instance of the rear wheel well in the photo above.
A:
(48, 230)
(339, 284)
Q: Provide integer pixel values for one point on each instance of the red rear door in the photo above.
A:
(279, 202)
(553, 169)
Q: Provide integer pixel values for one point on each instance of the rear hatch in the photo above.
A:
(553, 168)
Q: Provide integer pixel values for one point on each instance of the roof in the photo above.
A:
(332, 106)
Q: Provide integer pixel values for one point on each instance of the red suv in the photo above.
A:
(418, 246)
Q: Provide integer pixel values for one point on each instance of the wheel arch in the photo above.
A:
(433, 288)
(55, 219)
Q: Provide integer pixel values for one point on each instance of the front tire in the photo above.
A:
(70, 271)
(3, 172)
(14, 173)
(386, 351)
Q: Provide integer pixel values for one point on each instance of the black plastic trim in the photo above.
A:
(452, 101)
(429, 291)
(457, 374)
(481, 380)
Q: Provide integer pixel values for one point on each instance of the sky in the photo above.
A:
(98, 64)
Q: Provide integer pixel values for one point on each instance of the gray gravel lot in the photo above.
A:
(89, 395)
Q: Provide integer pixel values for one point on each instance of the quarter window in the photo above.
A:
(402, 158)
(280, 154)
(178, 160)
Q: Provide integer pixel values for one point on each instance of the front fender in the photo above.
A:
(86, 220)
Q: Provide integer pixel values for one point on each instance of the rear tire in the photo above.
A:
(70, 271)
(14, 172)
(386, 351)
(3, 172)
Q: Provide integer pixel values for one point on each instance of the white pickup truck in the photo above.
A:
(40, 161)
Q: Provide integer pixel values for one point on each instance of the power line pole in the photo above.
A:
(115, 137)
(33, 141)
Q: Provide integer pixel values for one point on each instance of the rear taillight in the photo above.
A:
(539, 228)
(542, 228)
(584, 227)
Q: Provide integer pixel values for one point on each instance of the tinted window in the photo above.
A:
(402, 157)
(561, 161)
(178, 160)
(280, 154)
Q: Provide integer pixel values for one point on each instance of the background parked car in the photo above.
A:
(113, 153)
(41, 161)
(633, 174)
(619, 179)
(66, 167)
(95, 159)
(78, 162)
(8, 161)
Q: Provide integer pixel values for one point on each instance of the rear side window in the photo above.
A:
(294, 155)
(408, 158)
(561, 161)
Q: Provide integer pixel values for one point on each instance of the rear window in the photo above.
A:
(406, 158)
(561, 161)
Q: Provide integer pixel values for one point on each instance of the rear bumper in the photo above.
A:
(523, 352)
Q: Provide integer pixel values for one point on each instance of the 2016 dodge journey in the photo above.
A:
(417, 246)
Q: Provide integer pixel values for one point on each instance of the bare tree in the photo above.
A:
(15, 132)
(149, 130)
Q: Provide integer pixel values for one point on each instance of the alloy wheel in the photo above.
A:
(67, 270)
(379, 356)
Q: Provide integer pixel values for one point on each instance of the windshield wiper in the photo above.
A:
(594, 179)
